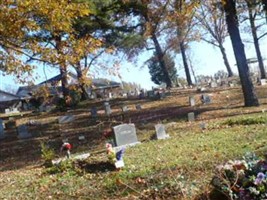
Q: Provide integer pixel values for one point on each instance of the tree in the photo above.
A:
(184, 14)
(157, 75)
(264, 3)
(43, 32)
(250, 97)
(253, 9)
(215, 28)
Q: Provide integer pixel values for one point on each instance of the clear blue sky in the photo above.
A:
(206, 60)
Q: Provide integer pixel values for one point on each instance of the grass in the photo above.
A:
(177, 168)
(160, 164)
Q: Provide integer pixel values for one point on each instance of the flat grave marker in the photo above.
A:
(125, 134)
(161, 132)
(66, 119)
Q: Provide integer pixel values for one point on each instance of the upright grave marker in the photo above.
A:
(124, 109)
(160, 132)
(23, 132)
(93, 112)
(205, 99)
(191, 116)
(192, 101)
(125, 134)
(2, 132)
(107, 109)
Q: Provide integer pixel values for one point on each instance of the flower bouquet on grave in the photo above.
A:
(115, 158)
(243, 179)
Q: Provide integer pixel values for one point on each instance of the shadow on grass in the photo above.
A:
(96, 166)
(213, 195)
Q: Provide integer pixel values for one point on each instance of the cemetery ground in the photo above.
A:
(180, 167)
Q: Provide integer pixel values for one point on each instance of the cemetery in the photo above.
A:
(133, 100)
(166, 149)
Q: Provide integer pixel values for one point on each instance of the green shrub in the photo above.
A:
(245, 121)
(48, 154)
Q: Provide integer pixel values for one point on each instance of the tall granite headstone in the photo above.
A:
(125, 134)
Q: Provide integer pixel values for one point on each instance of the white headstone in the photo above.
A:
(81, 137)
(160, 132)
(192, 101)
(263, 81)
(191, 116)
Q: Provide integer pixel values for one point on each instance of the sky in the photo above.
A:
(206, 59)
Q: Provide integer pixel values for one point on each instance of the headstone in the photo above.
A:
(205, 99)
(138, 107)
(150, 94)
(66, 119)
(162, 95)
(263, 81)
(2, 132)
(231, 84)
(124, 108)
(93, 112)
(23, 132)
(192, 101)
(7, 111)
(203, 125)
(160, 132)
(213, 85)
(125, 134)
(107, 108)
(81, 137)
(191, 116)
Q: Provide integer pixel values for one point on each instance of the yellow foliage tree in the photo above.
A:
(41, 30)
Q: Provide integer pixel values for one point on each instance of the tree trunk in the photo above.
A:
(63, 70)
(186, 68)
(161, 61)
(264, 2)
(82, 85)
(256, 41)
(225, 60)
(250, 97)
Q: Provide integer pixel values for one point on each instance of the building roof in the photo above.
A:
(10, 94)
(26, 91)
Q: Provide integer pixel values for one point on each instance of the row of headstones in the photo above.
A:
(11, 110)
(125, 134)
(22, 131)
(108, 110)
(205, 99)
